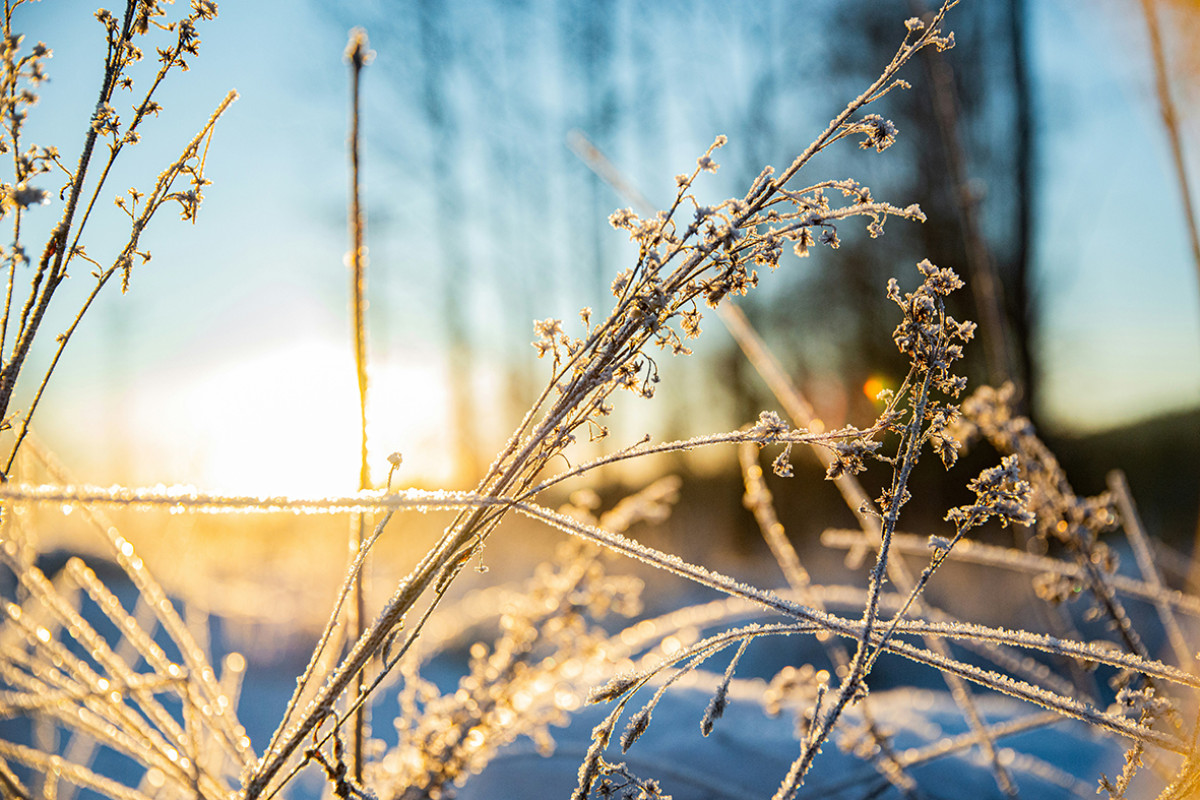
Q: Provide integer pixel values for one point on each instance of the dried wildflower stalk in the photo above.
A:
(803, 415)
(1075, 524)
(21, 75)
(758, 499)
(683, 259)
(1013, 492)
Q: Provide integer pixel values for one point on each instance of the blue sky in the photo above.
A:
(228, 363)
(1113, 257)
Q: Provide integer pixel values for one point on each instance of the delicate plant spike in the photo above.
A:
(720, 699)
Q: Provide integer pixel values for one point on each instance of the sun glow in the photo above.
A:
(285, 420)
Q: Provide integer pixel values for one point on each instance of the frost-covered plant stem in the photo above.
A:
(802, 414)
(63, 245)
(436, 569)
(810, 619)
(758, 499)
(927, 34)
(160, 195)
(1132, 523)
(852, 684)
(708, 260)
(358, 56)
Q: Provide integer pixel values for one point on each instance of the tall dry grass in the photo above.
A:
(100, 677)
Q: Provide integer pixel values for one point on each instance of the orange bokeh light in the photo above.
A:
(872, 387)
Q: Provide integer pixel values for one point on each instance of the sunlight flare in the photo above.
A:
(284, 420)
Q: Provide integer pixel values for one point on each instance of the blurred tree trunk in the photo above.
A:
(966, 136)
(1024, 313)
(438, 57)
(589, 42)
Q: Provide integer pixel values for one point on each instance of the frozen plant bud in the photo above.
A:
(615, 687)
(690, 323)
(547, 328)
(206, 9)
(769, 426)
(880, 133)
(620, 282)
(941, 281)
(850, 457)
(636, 727)
(26, 196)
(782, 465)
(939, 543)
(803, 242)
(622, 218)
(999, 492)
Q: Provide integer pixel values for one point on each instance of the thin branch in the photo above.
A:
(1140, 544)
(973, 552)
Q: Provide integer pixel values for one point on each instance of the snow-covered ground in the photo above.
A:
(748, 753)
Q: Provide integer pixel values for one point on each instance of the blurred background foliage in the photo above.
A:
(1036, 147)
(482, 98)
